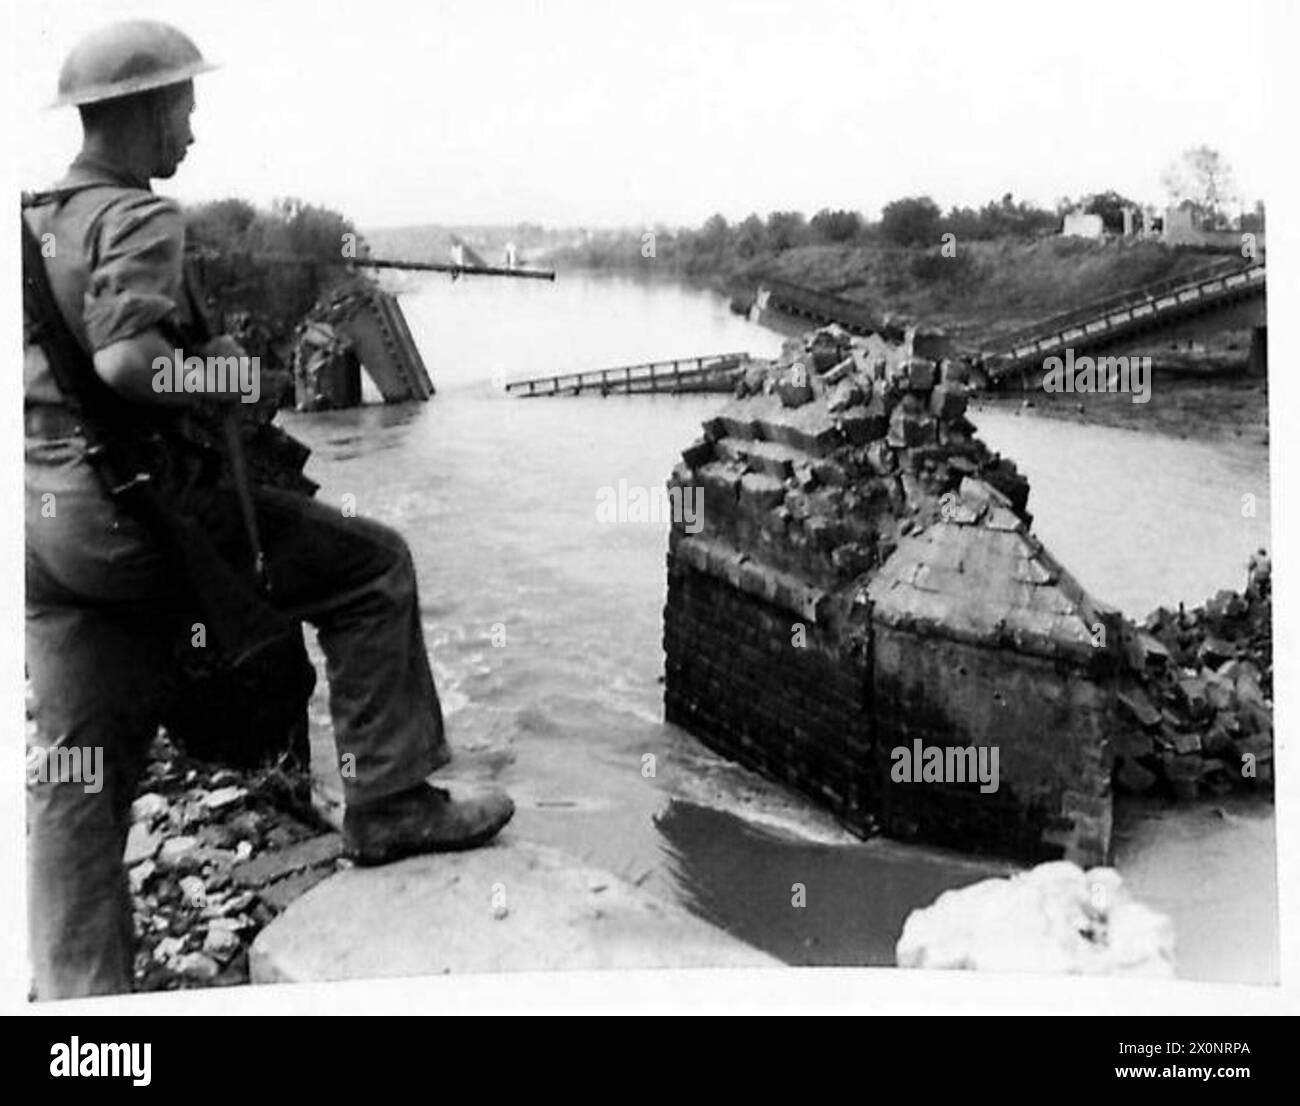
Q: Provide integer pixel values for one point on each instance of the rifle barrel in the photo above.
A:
(387, 263)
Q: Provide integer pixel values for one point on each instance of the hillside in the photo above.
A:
(988, 287)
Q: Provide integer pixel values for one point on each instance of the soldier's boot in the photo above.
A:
(422, 819)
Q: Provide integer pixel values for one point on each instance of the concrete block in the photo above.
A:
(794, 390)
(433, 915)
(948, 401)
(825, 351)
(954, 371)
(720, 479)
(906, 430)
(844, 394)
(919, 374)
(928, 342)
(761, 492)
(981, 492)
(863, 424)
(698, 452)
(731, 422)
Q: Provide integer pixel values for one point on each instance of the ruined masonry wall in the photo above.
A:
(865, 576)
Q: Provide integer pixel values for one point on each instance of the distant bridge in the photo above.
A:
(816, 306)
(1226, 295)
(712, 373)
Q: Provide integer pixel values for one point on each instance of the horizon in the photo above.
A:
(572, 117)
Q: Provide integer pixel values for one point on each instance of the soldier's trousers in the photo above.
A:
(102, 621)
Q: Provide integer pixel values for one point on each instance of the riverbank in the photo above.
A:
(1217, 407)
(1201, 395)
(976, 290)
(1201, 391)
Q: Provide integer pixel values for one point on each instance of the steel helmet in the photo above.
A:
(125, 58)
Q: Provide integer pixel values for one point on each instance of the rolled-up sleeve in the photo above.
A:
(136, 281)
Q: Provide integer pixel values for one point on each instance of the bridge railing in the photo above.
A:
(649, 376)
(1119, 302)
(825, 305)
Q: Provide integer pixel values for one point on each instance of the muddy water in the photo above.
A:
(544, 623)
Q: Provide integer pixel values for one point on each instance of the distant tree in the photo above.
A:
(306, 230)
(715, 232)
(1110, 206)
(786, 229)
(1009, 218)
(1200, 175)
(226, 223)
(912, 221)
(1004, 218)
(751, 236)
(835, 226)
(264, 300)
(964, 222)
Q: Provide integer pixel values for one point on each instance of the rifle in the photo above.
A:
(130, 457)
(456, 271)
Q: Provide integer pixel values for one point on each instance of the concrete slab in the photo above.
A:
(512, 907)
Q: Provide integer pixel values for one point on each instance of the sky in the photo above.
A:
(572, 113)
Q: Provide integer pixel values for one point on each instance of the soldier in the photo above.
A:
(103, 601)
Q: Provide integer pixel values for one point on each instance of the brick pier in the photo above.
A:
(866, 577)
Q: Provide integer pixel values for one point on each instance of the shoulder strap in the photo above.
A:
(89, 398)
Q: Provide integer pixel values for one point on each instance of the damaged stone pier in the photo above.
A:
(866, 578)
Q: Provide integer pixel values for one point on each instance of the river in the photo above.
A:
(544, 624)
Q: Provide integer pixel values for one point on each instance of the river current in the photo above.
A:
(544, 622)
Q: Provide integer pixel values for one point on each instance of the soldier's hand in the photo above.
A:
(242, 377)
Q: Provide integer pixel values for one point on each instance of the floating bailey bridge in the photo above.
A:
(866, 578)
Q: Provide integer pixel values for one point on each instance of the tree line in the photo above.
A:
(264, 301)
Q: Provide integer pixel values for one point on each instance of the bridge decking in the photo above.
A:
(1103, 322)
(709, 373)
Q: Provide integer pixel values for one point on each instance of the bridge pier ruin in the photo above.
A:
(866, 616)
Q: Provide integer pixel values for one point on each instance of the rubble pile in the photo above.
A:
(1199, 707)
(212, 856)
(325, 368)
(863, 576)
(887, 442)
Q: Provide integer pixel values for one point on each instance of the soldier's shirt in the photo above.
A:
(115, 262)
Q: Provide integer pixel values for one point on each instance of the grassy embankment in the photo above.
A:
(991, 288)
